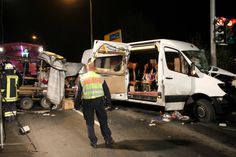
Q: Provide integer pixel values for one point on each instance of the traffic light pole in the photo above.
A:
(1, 123)
(1, 117)
(213, 44)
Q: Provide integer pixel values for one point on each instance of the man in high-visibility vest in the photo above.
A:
(93, 93)
(9, 90)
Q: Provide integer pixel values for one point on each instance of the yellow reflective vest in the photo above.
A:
(91, 83)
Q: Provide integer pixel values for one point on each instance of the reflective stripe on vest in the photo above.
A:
(9, 113)
(92, 85)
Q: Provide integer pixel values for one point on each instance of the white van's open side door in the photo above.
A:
(111, 62)
(176, 81)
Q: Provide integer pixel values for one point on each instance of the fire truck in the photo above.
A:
(24, 57)
(38, 70)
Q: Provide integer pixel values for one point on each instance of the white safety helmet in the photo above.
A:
(8, 66)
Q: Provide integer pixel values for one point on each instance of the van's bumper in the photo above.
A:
(224, 104)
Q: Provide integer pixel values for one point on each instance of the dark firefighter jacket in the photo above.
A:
(9, 86)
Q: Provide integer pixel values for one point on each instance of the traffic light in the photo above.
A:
(220, 30)
(25, 53)
(230, 31)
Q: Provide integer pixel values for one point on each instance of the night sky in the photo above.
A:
(63, 26)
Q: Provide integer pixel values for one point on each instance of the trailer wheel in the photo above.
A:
(204, 111)
(26, 103)
(45, 103)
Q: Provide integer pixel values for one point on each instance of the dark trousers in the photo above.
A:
(9, 111)
(97, 106)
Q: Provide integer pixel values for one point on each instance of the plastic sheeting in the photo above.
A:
(56, 86)
(56, 78)
(59, 70)
(73, 69)
(54, 60)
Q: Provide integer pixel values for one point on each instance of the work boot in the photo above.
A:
(94, 145)
(109, 143)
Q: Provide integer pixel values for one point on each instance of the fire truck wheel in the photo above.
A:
(26, 103)
(204, 111)
(45, 103)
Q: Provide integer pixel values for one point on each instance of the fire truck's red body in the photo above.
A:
(22, 55)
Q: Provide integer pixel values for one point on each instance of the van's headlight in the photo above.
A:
(233, 83)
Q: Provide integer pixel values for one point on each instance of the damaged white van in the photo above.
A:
(168, 73)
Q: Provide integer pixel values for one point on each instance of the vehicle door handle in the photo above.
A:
(169, 78)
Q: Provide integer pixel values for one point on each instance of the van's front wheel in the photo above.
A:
(204, 111)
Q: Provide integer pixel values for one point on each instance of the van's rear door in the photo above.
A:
(111, 62)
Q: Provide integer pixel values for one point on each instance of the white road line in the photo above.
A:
(79, 112)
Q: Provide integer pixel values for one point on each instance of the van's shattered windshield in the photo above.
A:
(199, 59)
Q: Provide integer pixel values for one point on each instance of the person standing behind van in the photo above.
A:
(93, 93)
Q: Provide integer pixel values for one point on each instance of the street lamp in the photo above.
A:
(91, 22)
(34, 37)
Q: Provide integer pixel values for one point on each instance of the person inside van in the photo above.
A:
(150, 76)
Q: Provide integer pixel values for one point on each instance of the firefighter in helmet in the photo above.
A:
(9, 90)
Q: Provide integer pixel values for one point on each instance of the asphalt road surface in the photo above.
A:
(137, 133)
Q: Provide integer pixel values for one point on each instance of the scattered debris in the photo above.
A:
(109, 108)
(223, 124)
(32, 111)
(49, 114)
(177, 115)
(167, 117)
(24, 130)
(184, 118)
(46, 114)
(141, 119)
(152, 123)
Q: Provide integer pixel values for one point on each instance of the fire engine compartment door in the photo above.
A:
(110, 60)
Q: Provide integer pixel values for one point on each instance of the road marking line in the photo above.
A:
(79, 112)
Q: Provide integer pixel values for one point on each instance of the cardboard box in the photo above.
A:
(68, 104)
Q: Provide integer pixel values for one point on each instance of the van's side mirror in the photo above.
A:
(215, 69)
